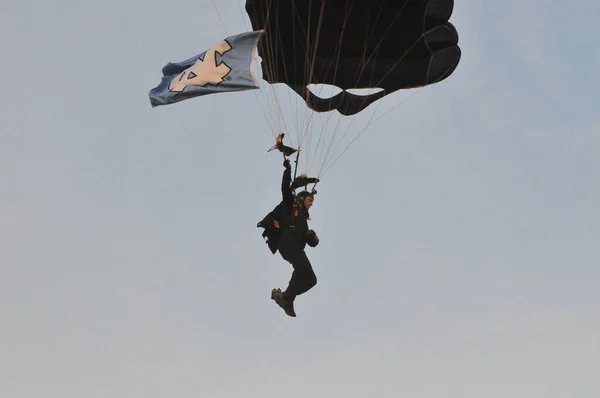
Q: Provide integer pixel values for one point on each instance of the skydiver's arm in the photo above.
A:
(286, 190)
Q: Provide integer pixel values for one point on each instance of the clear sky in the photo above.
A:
(460, 237)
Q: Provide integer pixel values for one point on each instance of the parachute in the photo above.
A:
(387, 44)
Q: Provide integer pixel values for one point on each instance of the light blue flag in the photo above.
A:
(224, 67)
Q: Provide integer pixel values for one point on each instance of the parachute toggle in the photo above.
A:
(286, 150)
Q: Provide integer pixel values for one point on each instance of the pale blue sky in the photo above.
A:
(460, 238)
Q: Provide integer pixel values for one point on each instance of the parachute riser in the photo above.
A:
(296, 163)
(303, 177)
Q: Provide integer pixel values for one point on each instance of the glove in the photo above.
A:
(286, 164)
(311, 238)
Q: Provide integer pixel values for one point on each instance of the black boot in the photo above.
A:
(289, 303)
(285, 303)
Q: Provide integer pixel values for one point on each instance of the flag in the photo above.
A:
(224, 67)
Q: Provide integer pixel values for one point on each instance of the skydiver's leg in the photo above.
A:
(303, 277)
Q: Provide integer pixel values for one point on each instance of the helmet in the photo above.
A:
(304, 194)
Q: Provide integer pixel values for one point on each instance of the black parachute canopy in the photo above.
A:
(386, 44)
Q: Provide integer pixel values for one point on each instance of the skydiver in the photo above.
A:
(286, 230)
